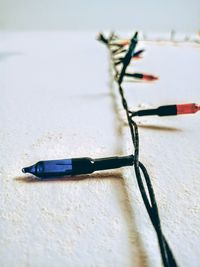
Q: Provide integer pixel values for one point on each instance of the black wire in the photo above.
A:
(151, 206)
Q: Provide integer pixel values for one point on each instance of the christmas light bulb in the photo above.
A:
(169, 110)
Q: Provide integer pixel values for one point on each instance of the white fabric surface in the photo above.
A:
(57, 102)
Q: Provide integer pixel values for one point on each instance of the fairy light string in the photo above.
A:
(140, 170)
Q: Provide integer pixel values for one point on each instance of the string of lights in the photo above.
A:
(50, 169)
(140, 170)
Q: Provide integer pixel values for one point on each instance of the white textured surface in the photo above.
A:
(56, 103)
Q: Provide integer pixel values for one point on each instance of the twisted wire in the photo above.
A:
(140, 170)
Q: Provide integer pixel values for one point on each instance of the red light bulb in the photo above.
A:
(149, 77)
(187, 108)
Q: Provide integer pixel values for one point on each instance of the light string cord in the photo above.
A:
(151, 206)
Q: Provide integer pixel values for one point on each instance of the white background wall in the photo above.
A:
(181, 15)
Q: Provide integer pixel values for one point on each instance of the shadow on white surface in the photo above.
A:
(159, 128)
(6, 55)
(99, 175)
